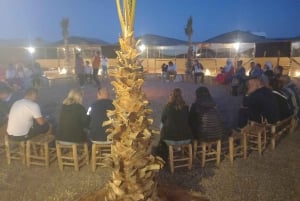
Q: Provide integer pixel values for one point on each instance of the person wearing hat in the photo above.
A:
(226, 73)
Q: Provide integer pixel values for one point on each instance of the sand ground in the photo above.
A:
(274, 176)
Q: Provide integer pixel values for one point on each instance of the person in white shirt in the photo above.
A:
(171, 70)
(25, 119)
(88, 70)
(104, 62)
(198, 71)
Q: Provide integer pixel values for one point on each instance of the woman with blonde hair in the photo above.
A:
(73, 118)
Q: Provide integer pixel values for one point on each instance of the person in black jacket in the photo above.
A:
(5, 105)
(175, 119)
(97, 113)
(175, 129)
(259, 104)
(73, 119)
(205, 121)
(285, 110)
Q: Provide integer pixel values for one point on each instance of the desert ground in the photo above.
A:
(275, 176)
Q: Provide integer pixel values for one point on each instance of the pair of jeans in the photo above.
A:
(95, 76)
(35, 130)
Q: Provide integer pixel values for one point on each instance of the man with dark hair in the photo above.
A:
(25, 119)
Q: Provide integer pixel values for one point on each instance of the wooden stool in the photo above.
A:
(256, 137)
(15, 150)
(99, 151)
(38, 151)
(294, 124)
(207, 151)
(276, 131)
(2, 138)
(180, 155)
(237, 145)
(71, 154)
(225, 147)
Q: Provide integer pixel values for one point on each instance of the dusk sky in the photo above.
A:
(30, 19)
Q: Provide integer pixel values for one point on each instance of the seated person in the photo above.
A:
(291, 91)
(25, 119)
(238, 83)
(164, 70)
(278, 72)
(285, 110)
(5, 93)
(175, 129)
(255, 70)
(88, 70)
(36, 75)
(268, 69)
(198, 71)
(171, 69)
(226, 73)
(73, 119)
(259, 104)
(205, 121)
(97, 113)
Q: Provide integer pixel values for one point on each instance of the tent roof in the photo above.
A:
(237, 36)
(156, 40)
(20, 42)
(76, 40)
(296, 38)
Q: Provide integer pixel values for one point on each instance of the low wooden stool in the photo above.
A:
(208, 150)
(38, 151)
(256, 137)
(294, 124)
(275, 132)
(237, 145)
(2, 138)
(100, 150)
(15, 150)
(225, 147)
(180, 155)
(172, 77)
(71, 154)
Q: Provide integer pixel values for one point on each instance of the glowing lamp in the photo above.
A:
(236, 46)
(207, 72)
(30, 49)
(142, 47)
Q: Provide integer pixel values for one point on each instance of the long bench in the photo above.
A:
(53, 79)
(276, 131)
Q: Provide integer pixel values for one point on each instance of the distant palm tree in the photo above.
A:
(64, 24)
(189, 32)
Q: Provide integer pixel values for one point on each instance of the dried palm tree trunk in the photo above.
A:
(134, 168)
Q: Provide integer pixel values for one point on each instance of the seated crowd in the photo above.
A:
(181, 125)
(197, 71)
(168, 71)
(270, 97)
(75, 124)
